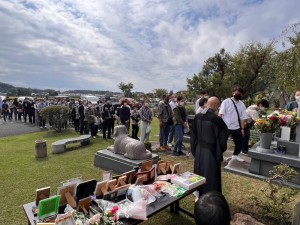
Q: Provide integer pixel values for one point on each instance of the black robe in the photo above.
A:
(209, 135)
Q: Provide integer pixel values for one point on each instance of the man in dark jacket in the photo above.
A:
(124, 114)
(108, 118)
(209, 136)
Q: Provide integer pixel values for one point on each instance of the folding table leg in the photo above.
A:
(172, 208)
(176, 208)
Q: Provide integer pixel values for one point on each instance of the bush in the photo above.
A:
(190, 110)
(275, 203)
(57, 116)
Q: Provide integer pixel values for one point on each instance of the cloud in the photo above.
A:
(74, 44)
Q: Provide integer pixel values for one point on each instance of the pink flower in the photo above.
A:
(116, 218)
(115, 209)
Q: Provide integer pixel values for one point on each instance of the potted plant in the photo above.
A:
(288, 121)
(267, 126)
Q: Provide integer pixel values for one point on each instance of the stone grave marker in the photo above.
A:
(296, 214)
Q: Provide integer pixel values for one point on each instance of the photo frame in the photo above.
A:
(161, 167)
(111, 195)
(129, 176)
(122, 190)
(75, 181)
(111, 185)
(121, 181)
(169, 166)
(85, 189)
(176, 168)
(101, 189)
(67, 195)
(106, 175)
(48, 207)
(84, 205)
(41, 194)
(141, 178)
(146, 166)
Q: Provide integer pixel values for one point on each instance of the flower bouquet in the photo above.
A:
(268, 124)
(289, 119)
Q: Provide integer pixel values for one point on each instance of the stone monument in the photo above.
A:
(126, 153)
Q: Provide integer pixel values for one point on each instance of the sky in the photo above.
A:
(96, 44)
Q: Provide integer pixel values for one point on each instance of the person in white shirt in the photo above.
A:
(203, 94)
(252, 115)
(233, 112)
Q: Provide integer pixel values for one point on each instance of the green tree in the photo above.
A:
(252, 68)
(126, 88)
(212, 77)
(160, 92)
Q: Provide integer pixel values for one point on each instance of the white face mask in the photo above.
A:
(146, 104)
(262, 108)
(297, 98)
(181, 103)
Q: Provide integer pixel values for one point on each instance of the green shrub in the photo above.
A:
(57, 115)
(275, 202)
(190, 110)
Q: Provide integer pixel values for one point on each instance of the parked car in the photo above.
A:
(21, 98)
(90, 98)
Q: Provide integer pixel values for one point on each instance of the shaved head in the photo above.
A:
(213, 103)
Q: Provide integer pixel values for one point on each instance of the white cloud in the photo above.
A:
(75, 44)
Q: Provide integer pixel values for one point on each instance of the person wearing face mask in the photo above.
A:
(203, 94)
(252, 115)
(124, 114)
(293, 106)
(108, 118)
(233, 112)
(180, 121)
(146, 119)
(208, 139)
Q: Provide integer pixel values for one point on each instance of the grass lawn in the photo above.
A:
(21, 174)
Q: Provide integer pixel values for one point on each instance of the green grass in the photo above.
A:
(21, 174)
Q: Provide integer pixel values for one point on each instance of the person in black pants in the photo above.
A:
(108, 118)
(135, 117)
(233, 112)
(81, 116)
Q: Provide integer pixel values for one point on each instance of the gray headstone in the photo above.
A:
(296, 214)
(297, 139)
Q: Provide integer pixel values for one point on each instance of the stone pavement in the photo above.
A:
(11, 128)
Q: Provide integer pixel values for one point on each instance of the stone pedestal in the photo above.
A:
(107, 160)
(40, 148)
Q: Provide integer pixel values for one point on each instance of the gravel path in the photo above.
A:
(11, 128)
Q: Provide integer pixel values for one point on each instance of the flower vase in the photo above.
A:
(285, 133)
(265, 140)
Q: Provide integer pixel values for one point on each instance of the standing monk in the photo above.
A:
(209, 136)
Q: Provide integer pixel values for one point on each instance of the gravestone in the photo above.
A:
(296, 214)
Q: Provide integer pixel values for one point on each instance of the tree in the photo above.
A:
(126, 88)
(212, 77)
(160, 92)
(252, 68)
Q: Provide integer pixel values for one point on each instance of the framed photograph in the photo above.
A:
(176, 168)
(67, 195)
(84, 205)
(121, 181)
(106, 175)
(85, 189)
(169, 166)
(122, 190)
(111, 196)
(146, 166)
(141, 178)
(101, 189)
(111, 185)
(75, 181)
(129, 176)
(161, 167)
(48, 207)
(41, 194)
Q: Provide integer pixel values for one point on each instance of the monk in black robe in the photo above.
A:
(209, 135)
